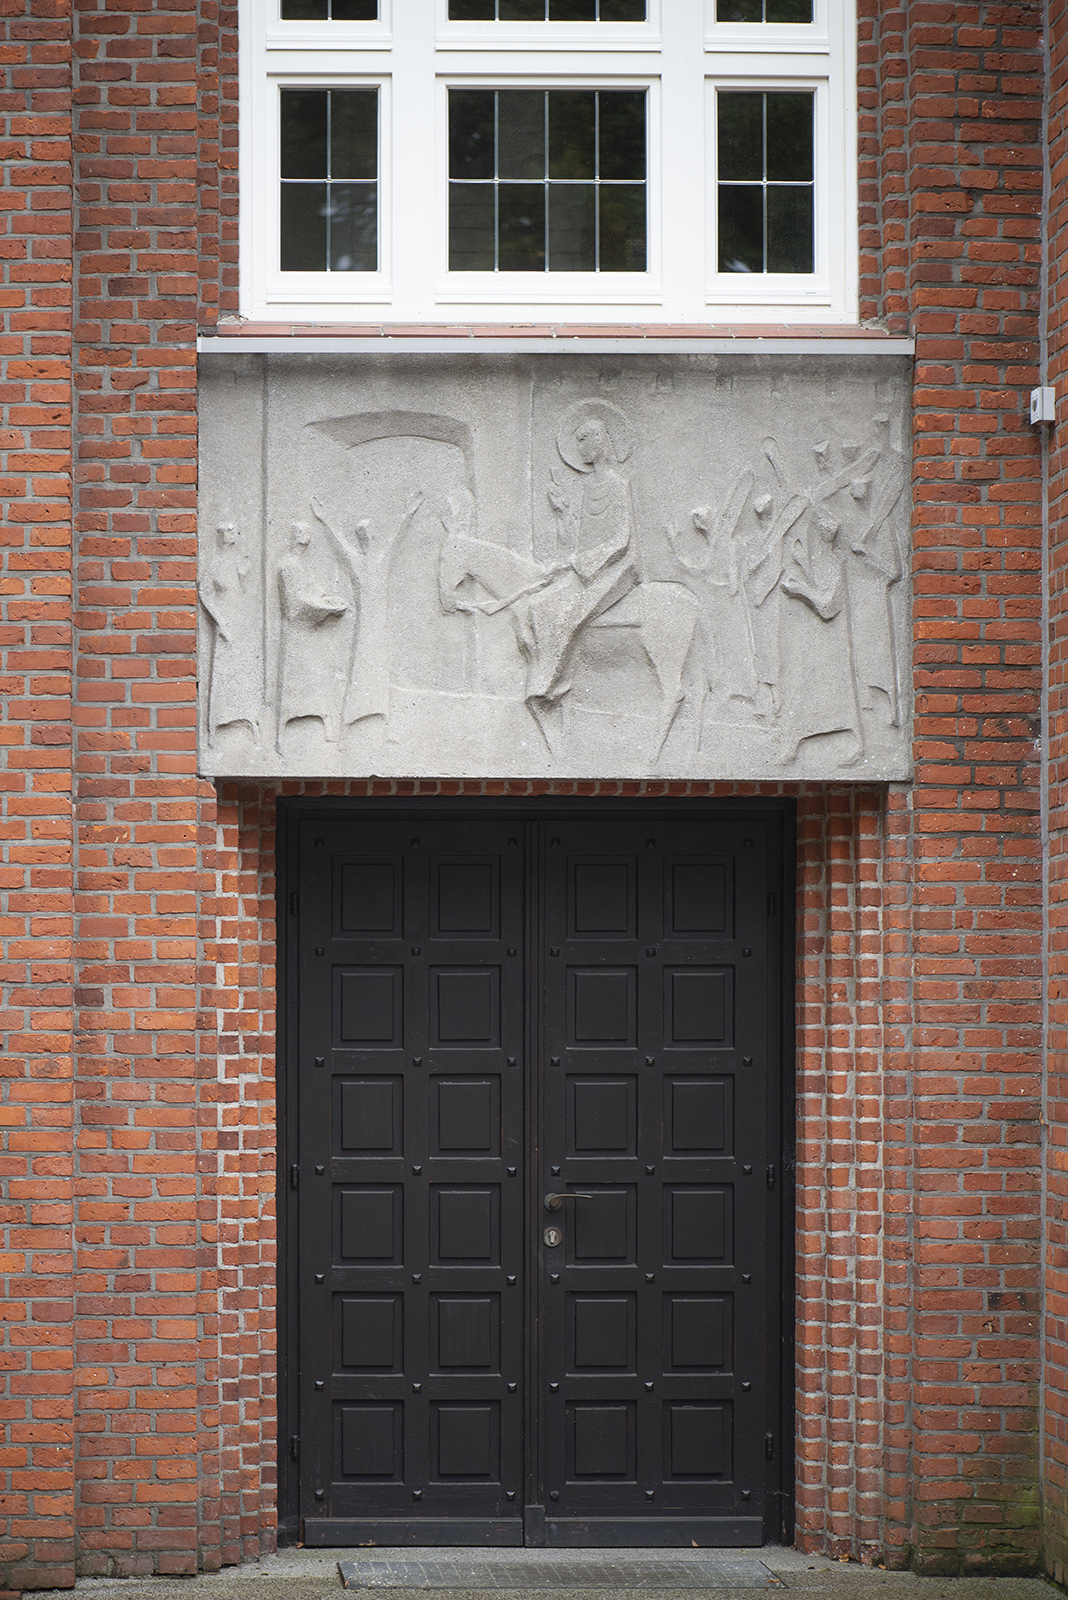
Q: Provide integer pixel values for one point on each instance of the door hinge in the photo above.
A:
(771, 1177)
(769, 1446)
(294, 1446)
(771, 905)
(294, 1176)
(294, 903)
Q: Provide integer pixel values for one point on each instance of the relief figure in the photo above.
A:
(595, 533)
(233, 691)
(818, 690)
(718, 573)
(597, 585)
(879, 565)
(366, 556)
(310, 675)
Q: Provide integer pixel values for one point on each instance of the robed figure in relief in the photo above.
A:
(233, 694)
(595, 533)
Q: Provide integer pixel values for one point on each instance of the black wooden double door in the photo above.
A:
(538, 1269)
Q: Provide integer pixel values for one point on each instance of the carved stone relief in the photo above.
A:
(555, 566)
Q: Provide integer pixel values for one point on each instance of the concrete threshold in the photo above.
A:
(298, 1574)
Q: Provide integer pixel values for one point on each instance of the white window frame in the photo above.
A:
(413, 66)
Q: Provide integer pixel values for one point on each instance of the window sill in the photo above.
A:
(514, 337)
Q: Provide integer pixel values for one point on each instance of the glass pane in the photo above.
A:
(572, 134)
(304, 227)
(622, 10)
(353, 216)
(354, 133)
(304, 133)
(471, 133)
(741, 137)
(572, 10)
(572, 233)
(622, 133)
(622, 208)
(789, 138)
(521, 133)
(521, 227)
(790, 230)
(741, 229)
(471, 227)
(521, 10)
(354, 10)
(304, 11)
(470, 10)
(739, 11)
(789, 11)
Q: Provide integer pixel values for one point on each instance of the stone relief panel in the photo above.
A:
(555, 566)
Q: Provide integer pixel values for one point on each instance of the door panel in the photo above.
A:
(656, 984)
(491, 1012)
(411, 1196)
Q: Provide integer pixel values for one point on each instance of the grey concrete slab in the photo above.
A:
(313, 1575)
(560, 566)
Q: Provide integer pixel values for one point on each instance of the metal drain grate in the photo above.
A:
(558, 1572)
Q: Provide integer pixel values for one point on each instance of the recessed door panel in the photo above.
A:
(467, 1009)
(371, 1441)
(602, 1332)
(466, 1116)
(603, 1116)
(368, 898)
(371, 1223)
(698, 1116)
(603, 1007)
(697, 1332)
(368, 1116)
(697, 1008)
(466, 902)
(466, 1332)
(465, 1225)
(368, 1006)
(369, 1332)
(465, 1441)
(535, 1188)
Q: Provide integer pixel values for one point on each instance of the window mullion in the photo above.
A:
(414, 158)
(676, 228)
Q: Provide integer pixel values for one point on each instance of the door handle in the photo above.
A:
(553, 1202)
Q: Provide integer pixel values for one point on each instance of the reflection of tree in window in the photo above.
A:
(329, 219)
(766, 182)
(763, 10)
(546, 10)
(329, 10)
(547, 180)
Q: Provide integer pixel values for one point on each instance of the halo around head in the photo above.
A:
(618, 429)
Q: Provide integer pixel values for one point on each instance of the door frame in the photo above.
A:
(779, 1527)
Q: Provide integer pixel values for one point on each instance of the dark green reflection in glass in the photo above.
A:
(547, 10)
(764, 11)
(329, 10)
(329, 170)
(766, 182)
(547, 180)
(521, 133)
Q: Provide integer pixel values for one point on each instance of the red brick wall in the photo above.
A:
(36, 856)
(919, 917)
(159, 1482)
(967, 1005)
(1055, 1388)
